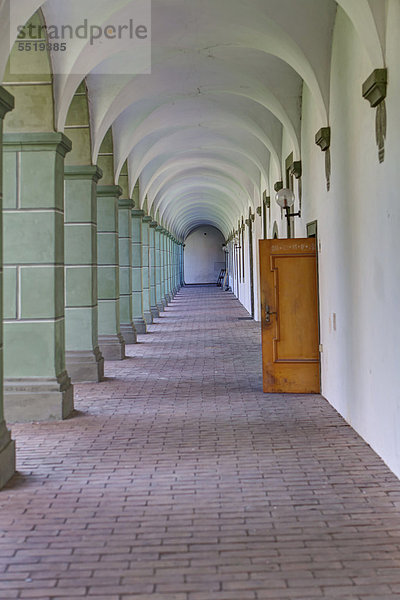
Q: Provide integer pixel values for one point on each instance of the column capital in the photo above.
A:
(147, 219)
(109, 190)
(154, 225)
(125, 203)
(159, 229)
(136, 213)
(6, 102)
(81, 172)
(40, 141)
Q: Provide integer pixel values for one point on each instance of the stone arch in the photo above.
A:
(362, 17)
(28, 77)
(77, 127)
(106, 158)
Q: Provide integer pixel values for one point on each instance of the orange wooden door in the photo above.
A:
(289, 316)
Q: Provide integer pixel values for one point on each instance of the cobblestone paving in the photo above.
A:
(178, 479)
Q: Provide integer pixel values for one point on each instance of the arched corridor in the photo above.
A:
(199, 298)
(178, 479)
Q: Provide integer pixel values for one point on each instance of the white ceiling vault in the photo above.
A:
(203, 132)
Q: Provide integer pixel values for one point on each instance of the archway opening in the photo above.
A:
(204, 255)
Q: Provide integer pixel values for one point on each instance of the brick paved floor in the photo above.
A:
(179, 480)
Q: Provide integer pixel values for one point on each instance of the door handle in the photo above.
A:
(268, 314)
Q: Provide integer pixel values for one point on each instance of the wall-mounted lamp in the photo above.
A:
(285, 199)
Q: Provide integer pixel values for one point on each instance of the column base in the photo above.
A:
(148, 317)
(86, 366)
(140, 325)
(155, 312)
(38, 399)
(160, 307)
(7, 455)
(128, 332)
(168, 298)
(112, 347)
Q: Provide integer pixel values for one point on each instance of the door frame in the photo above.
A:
(312, 232)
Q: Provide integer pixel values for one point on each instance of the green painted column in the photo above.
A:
(163, 281)
(170, 288)
(37, 386)
(153, 269)
(174, 267)
(183, 264)
(111, 342)
(148, 317)
(178, 268)
(162, 267)
(166, 260)
(176, 249)
(159, 299)
(128, 330)
(169, 270)
(85, 362)
(137, 296)
(7, 445)
(174, 288)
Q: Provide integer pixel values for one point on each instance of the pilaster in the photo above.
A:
(148, 317)
(137, 297)
(169, 286)
(84, 360)
(37, 386)
(153, 270)
(182, 264)
(159, 298)
(7, 445)
(111, 342)
(174, 278)
(128, 330)
(165, 284)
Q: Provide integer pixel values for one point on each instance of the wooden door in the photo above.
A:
(289, 316)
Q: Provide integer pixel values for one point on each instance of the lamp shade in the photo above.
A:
(285, 198)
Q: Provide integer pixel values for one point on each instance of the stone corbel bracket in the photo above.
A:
(295, 169)
(323, 140)
(374, 90)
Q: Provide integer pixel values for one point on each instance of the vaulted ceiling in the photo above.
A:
(202, 133)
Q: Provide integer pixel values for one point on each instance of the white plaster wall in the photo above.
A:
(258, 234)
(244, 294)
(359, 241)
(241, 289)
(204, 255)
(358, 223)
